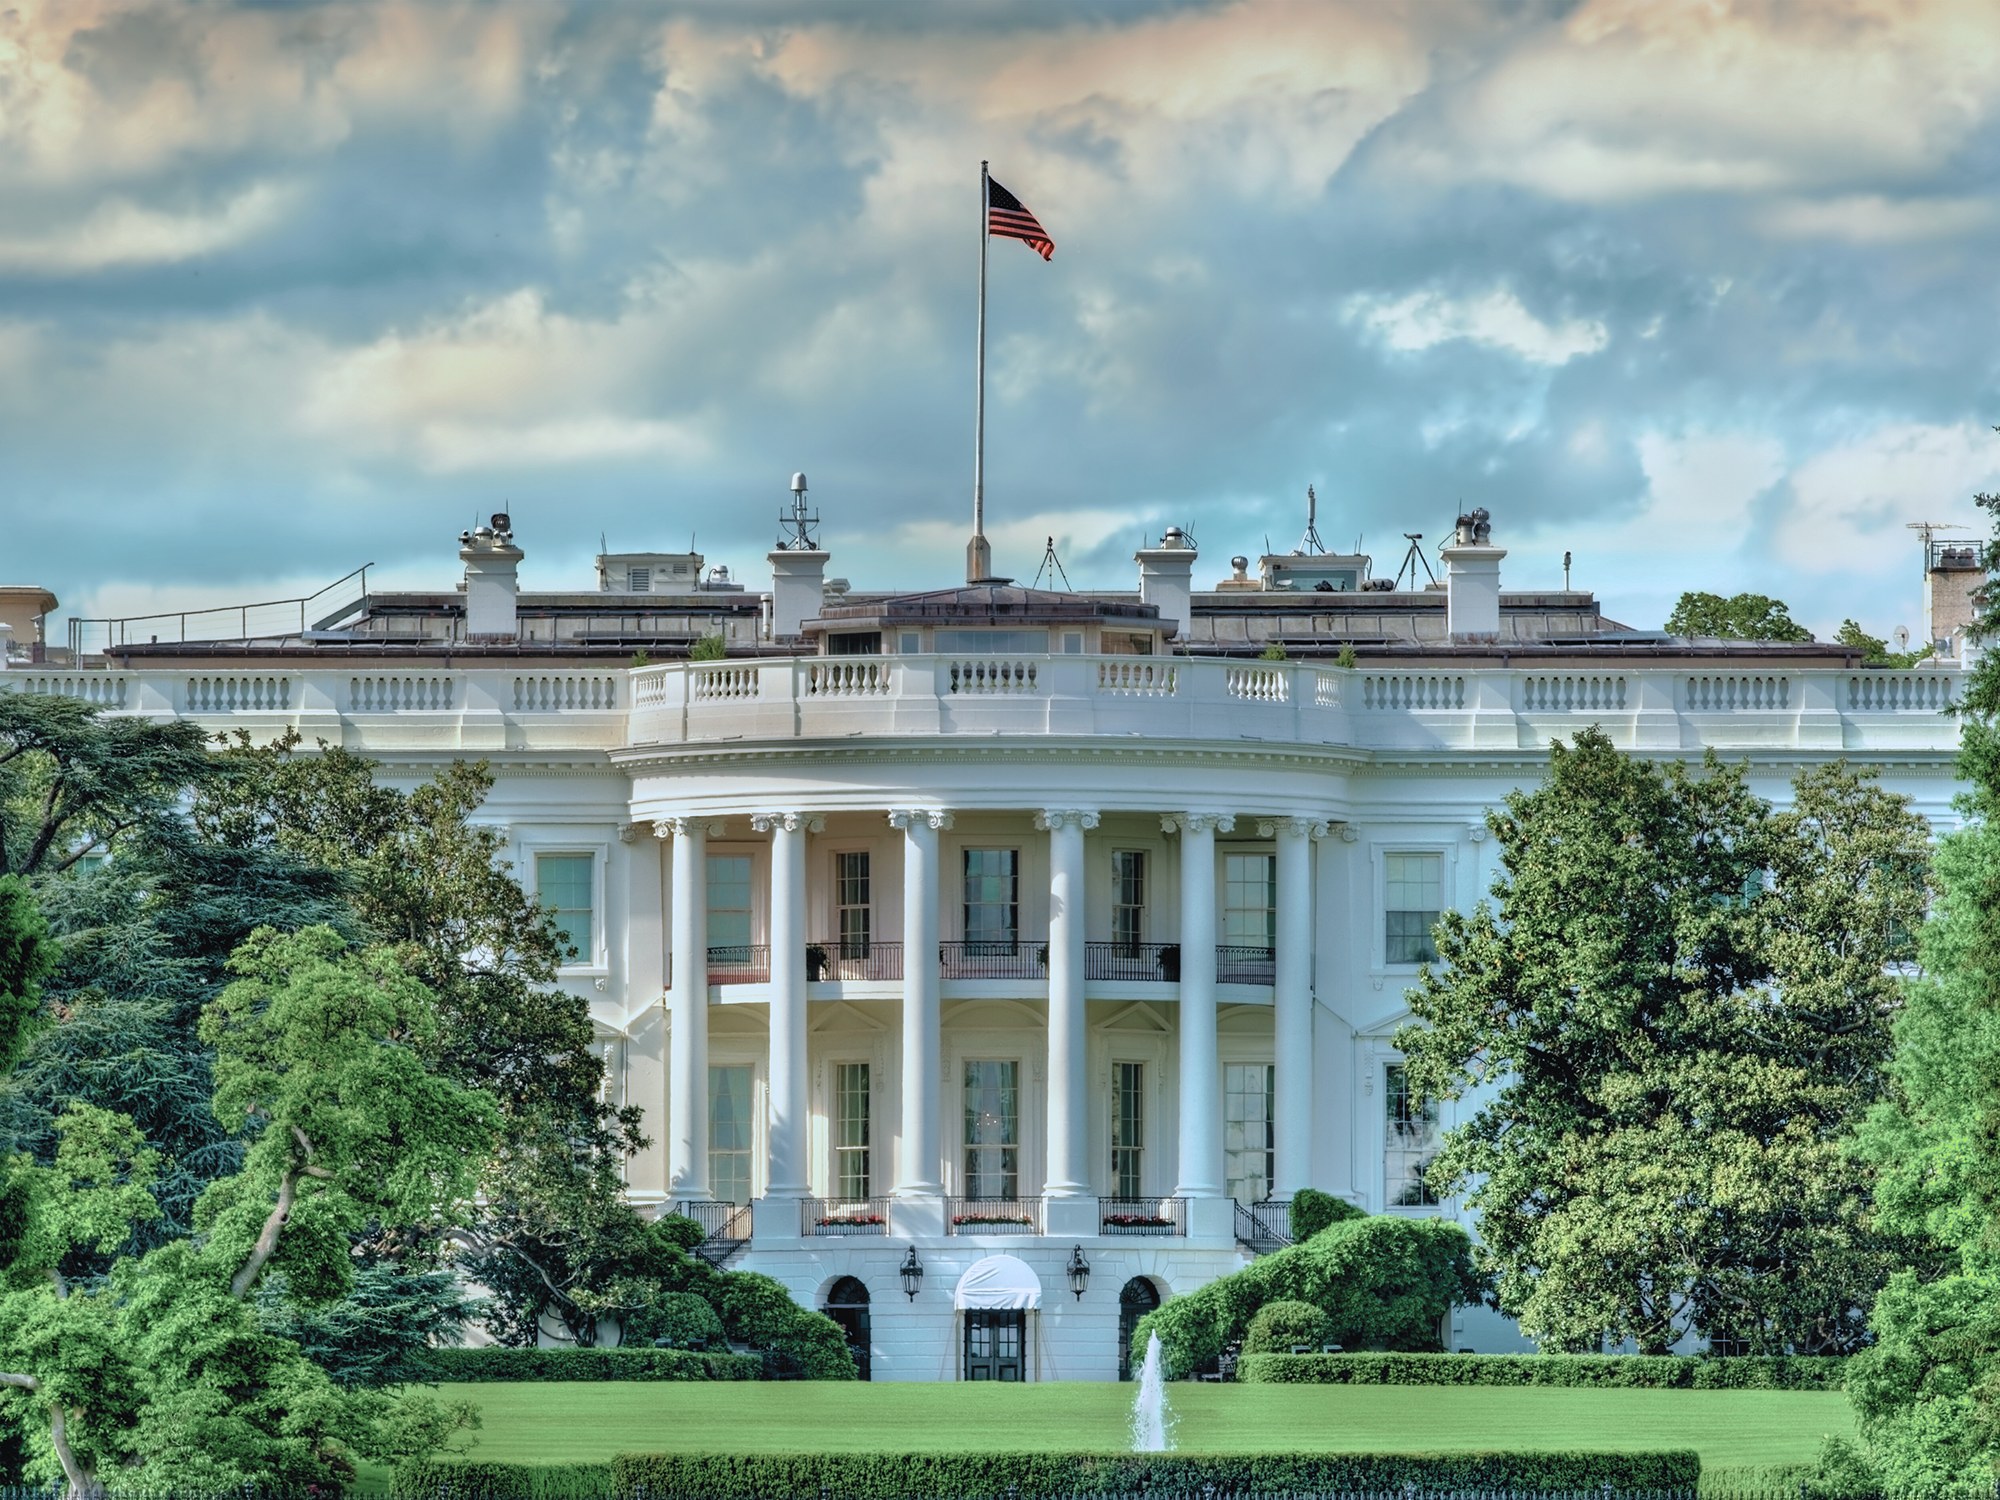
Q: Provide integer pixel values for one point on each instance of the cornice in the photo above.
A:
(735, 754)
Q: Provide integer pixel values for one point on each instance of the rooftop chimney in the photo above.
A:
(1166, 574)
(492, 580)
(1952, 575)
(1472, 579)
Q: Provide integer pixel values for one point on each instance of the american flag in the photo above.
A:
(1006, 217)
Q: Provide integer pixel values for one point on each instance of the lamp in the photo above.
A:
(913, 1274)
(1079, 1272)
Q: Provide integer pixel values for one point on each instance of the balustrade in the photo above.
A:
(566, 692)
(994, 675)
(1737, 693)
(993, 1216)
(847, 677)
(400, 694)
(1901, 692)
(238, 693)
(1572, 692)
(1412, 690)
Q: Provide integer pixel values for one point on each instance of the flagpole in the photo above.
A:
(978, 557)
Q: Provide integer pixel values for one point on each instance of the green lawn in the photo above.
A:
(577, 1421)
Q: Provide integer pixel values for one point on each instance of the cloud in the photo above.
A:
(119, 233)
(1496, 319)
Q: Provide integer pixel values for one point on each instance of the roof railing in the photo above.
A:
(129, 630)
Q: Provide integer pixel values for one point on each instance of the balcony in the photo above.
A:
(851, 962)
(843, 1218)
(1023, 958)
(1264, 1227)
(1004, 958)
(1236, 964)
(740, 963)
(1132, 963)
(993, 1216)
(1141, 1217)
(725, 1227)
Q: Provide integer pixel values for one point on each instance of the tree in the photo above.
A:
(1679, 1008)
(1740, 617)
(1874, 650)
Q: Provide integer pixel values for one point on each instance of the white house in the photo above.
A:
(994, 933)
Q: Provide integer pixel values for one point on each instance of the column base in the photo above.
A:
(1071, 1218)
(916, 1217)
(1211, 1218)
(776, 1216)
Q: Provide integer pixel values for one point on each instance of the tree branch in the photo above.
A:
(81, 1486)
(267, 1238)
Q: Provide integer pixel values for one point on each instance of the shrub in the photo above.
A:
(1278, 1326)
(1033, 1476)
(798, 1344)
(1313, 1211)
(680, 1230)
(1383, 1282)
(1639, 1371)
(471, 1479)
(495, 1363)
(677, 1320)
(708, 648)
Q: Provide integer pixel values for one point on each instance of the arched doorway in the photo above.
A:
(847, 1305)
(1135, 1299)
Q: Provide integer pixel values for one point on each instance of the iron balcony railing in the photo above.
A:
(726, 1227)
(995, 958)
(841, 1218)
(1265, 1226)
(740, 963)
(1142, 1216)
(851, 961)
(993, 1216)
(1236, 964)
(1133, 962)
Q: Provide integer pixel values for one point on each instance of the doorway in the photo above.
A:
(1137, 1298)
(847, 1305)
(996, 1345)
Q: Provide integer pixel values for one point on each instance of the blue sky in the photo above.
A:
(1702, 292)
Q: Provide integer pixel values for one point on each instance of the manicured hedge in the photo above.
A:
(1033, 1476)
(470, 1479)
(495, 1363)
(1654, 1372)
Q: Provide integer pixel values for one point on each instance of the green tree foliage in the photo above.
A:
(1928, 1391)
(1740, 617)
(1680, 1008)
(160, 1371)
(1874, 650)
(1280, 1327)
(424, 876)
(383, 1332)
(1380, 1281)
(1313, 1211)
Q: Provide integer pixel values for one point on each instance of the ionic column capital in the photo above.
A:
(667, 828)
(1197, 822)
(1051, 818)
(791, 822)
(909, 817)
(1298, 828)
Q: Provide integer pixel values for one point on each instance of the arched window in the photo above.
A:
(1135, 1299)
(847, 1305)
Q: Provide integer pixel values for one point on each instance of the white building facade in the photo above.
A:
(994, 963)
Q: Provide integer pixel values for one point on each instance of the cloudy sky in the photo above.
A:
(1702, 292)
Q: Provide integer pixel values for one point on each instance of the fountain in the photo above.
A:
(1152, 1418)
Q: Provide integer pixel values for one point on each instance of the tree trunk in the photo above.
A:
(82, 1483)
(267, 1239)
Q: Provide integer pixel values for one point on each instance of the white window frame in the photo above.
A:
(593, 957)
(1378, 893)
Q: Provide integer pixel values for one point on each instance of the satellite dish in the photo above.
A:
(1902, 637)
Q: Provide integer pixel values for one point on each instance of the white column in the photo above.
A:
(1068, 1073)
(1293, 1029)
(687, 1005)
(786, 1165)
(1201, 1083)
(918, 1161)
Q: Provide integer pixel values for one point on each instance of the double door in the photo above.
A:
(996, 1346)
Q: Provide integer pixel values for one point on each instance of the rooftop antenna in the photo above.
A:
(1187, 534)
(1310, 544)
(1925, 529)
(1413, 559)
(795, 530)
(1052, 565)
(1565, 572)
(603, 546)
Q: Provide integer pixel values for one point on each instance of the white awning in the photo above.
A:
(999, 1283)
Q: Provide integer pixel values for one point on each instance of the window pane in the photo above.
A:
(563, 884)
(851, 1111)
(992, 1130)
(1248, 1141)
(1128, 900)
(729, 1133)
(991, 642)
(1412, 896)
(1411, 1140)
(729, 908)
(851, 894)
(992, 899)
(1128, 1128)
(1250, 900)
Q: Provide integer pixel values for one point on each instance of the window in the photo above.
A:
(1410, 1141)
(1128, 1128)
(1128, 901)
(850, 1131)
(992, 901)
(563, 883)
(993, 1130)
(1250, 901)
(992, 642)
(855, 643)
(729, 908)
(1072, 643)
(639, 580)
(910, 643)
(1248, 1091)
(851, 899)
(729, 1141)
(1412, 894)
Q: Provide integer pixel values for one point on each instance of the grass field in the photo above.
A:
(553, 1422)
